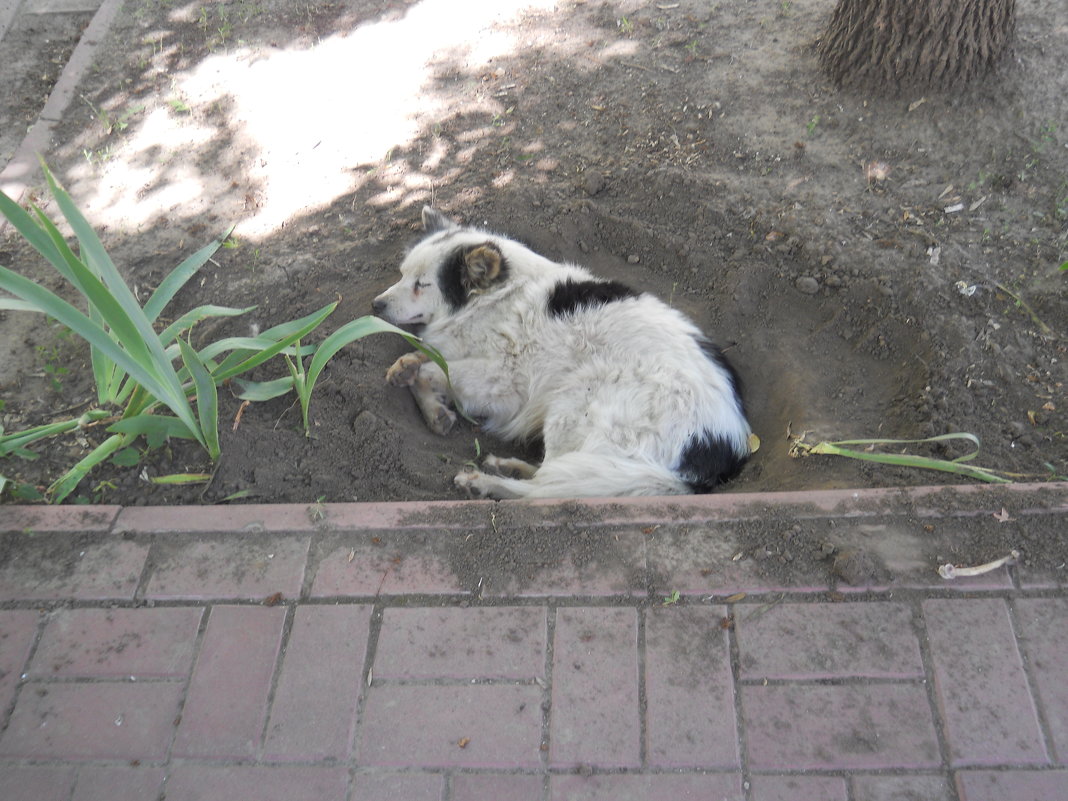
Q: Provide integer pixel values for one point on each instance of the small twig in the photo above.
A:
(762, 609)
(950, 571)
(1045, 329)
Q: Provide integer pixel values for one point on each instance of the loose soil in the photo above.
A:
(874, 267)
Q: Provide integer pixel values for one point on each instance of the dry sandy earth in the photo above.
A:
(689, 148)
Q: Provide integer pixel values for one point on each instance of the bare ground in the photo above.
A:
(875, 267)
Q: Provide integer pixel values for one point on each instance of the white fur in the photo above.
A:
(615, 391)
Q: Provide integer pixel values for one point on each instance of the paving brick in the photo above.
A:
(1043, 625)
(609, 562)
(455, 643)
(397, 786)
(191, 782)
(112, 643)
(839, 727)
(473, 726)
(812, 641)
(690, 719)
(698, 560)
(252, 567)
(18, 628)
(637, 787)
(1013, 785)
(394, 565)
(57, 566)
(595, 689)
(118, 783)
(227, 701)
(92, 721)
(981, 687)
(35, 782)
(484, 787)
(902, 788)
(314, 707)
(798, 788)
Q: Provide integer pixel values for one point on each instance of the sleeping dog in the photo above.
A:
(625, 392)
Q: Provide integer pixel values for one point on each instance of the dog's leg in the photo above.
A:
(429, 386)
(482, 485)
(510, 468)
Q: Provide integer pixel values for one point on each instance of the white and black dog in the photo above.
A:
(626, 393)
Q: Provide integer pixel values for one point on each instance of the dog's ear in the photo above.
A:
(434, 221)
(483, 264)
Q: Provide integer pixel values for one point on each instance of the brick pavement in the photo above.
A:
(146, 654)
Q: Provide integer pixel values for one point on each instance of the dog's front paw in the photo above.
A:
(472, 482)
(402, 372)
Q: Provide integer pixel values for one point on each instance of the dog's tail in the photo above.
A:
(589, 475)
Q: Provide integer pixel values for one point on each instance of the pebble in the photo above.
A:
(594, 183)
(807, 284)
(633, 258)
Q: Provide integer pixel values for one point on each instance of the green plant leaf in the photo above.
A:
(194, 316)
(178, 277)
(11, 304)
(272, 342)
(264, 390)
(13, 443)
(127, 457)
(181, 478)
(63, 312)
(66, 484)
(207, 398)
(799, 448)
(154, 427)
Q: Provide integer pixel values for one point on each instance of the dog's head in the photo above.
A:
(442, 273)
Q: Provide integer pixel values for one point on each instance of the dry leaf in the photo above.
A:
(730, 599)
(463, 742)
(1002, 516)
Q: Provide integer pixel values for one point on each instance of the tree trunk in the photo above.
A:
(901, 45)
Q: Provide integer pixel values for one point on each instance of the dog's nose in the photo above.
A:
(378, 305)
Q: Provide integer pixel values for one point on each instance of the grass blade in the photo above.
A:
(800, 448)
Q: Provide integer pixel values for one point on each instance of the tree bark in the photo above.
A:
(901, 45)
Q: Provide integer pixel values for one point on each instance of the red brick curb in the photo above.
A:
(925, 501)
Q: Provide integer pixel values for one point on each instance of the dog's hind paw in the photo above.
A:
(402, 372)
(441, 421)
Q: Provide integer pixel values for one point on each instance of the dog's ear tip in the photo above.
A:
(434, 220)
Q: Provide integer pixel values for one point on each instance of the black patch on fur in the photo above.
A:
(708, 462)
(451, 279)
(569, 296)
